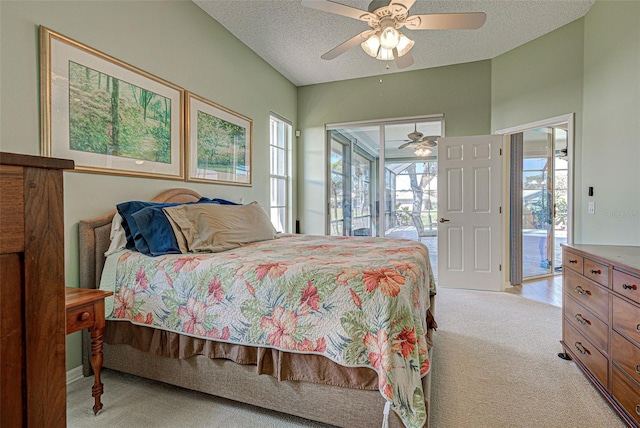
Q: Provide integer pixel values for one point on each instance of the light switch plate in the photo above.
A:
(592, 208)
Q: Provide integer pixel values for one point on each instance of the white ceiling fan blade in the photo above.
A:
(396, 6)
(352, 42)
(429, 141)
(446, 21)
(403, 61)
(340, 9)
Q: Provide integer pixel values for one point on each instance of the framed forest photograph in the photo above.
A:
(106, 115)
(218, 141)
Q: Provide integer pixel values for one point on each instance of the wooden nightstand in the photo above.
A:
(85, 309)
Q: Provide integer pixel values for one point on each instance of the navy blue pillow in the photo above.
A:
(154, 234)
(126, 210)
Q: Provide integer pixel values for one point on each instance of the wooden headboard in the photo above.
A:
(94, 239)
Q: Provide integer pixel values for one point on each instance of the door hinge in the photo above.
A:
(500, 268)
(500, 152)
(500, 210)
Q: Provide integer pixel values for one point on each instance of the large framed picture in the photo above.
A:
(218, 141)
(106, 115)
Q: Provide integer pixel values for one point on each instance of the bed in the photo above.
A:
(316, 372)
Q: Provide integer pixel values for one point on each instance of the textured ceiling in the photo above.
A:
(291, 37)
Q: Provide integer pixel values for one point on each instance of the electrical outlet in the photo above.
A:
(592, 208)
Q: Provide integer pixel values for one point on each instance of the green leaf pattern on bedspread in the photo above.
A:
(361, 302)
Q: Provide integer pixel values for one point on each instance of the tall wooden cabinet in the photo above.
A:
(601, 321)
(32, 292)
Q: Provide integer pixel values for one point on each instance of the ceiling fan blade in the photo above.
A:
(340, 9)
(446, 21)
(342, 48)
(403, 61)
(429, 141)
(410, 143)
(397, 5)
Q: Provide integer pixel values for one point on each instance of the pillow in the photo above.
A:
(118, 236)
(216, 227)
(155, 234)
(224, 201)
(136, 240)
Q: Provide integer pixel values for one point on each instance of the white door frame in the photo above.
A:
(569, 119)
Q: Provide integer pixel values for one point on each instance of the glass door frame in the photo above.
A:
(569, 120)
(378, 206)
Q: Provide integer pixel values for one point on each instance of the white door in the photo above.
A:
(469, 205)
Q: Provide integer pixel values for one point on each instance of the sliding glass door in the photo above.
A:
(384, 189)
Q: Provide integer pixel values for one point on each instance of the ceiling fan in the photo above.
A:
(417, 138)
(383, 41)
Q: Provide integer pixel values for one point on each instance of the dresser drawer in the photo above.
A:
(597, 272)
(626, 355)
(587, 323)
(587, 293)
(572, 261)
(588, 354)
(626, 319)
(80, 318)
(627, 392)
(626, 285)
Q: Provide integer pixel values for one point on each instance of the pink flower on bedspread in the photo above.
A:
(123, 303)
(310, 299)
(216, 293)
(307, 346)
(273, 270)
(250, 288)
(378, 345)
(405, 342)
(193, 316)
(346, 275)
(280, 328)
(389, 281)
(214, 333)
(139, 318)
(141, 280)
(188, 263)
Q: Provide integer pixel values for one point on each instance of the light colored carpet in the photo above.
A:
(495, 366)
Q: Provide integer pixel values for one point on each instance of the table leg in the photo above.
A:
(96, 364)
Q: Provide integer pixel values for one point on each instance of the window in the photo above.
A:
(280, 147)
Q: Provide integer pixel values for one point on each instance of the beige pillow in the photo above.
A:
(213, 228)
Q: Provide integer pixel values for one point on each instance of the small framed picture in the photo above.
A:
(218, 142)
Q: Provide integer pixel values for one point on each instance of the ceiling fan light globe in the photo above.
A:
(389, 38)
(371, 46)
(422, 152)
(404, 45)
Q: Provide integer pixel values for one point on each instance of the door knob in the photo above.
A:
(442, 219)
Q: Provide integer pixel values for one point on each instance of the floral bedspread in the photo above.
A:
(361, 302)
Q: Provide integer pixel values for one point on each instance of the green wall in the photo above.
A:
(590, 67)
(174, 40)
(461, 92)
(610, 160)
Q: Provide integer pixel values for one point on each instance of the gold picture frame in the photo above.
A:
(108, 116)
(219, 143)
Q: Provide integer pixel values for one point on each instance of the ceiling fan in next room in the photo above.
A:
(420, 143)
(383, 40)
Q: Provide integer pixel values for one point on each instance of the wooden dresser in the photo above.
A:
(601, 321)
(32, 292)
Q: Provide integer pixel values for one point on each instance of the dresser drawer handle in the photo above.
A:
(582, 320)
(595, 272)
(582, 291)
(582, 349)
(638, 328)
(629, 287)
(638, 368)
(83, 316)
(573, 262)
(638, 409)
